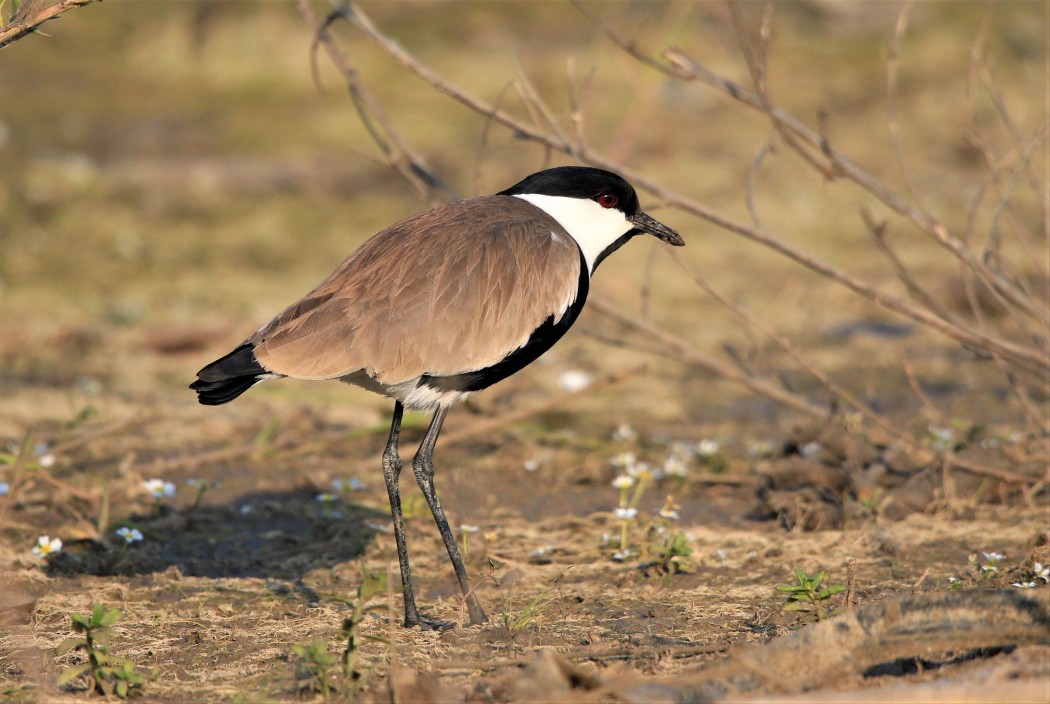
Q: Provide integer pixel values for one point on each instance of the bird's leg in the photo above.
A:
(391, 472)
(423, 468)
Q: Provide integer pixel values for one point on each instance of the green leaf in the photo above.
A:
(110, 617)
(374, 582)
(795, 606)
(836, 589)
(801, 577)
(792, 588)
(122, 689)
(71, 673)
(70, 644)
(80, 620)
(97, 612)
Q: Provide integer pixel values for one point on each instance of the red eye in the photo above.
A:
(607, 200)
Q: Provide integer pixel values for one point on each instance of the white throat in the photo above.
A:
(593, 227)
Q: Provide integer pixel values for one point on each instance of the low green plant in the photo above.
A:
(672, 557)
(808, 596)
(313, 667)
(109, 675)
(514, 624)
(372, 583)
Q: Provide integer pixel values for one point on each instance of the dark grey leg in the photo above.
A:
(423, 468)
(391, 472)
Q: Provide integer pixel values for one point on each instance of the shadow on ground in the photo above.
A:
(271, 535)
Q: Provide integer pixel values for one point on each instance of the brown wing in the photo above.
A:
(451, 290)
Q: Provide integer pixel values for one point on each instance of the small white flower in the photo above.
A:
(811, 450)
(624, 433)
(379, 527)
(989, 568)
(465, 528)
(943, 438)
(707, 448)
(159, 488)
(642, 471)
(245, 509)
(1024, 585)
(574, 380)
(44, 458)
(721, 554)
(4, 488)
(952, 580)
(675, 467)
(624, 460)
(1041, 572)
(326, 498)
(46, 545)
(669, 513)
(623, 482)
(542, 551)
(626, 514)
(531, 465)
(624, 555)
(994, 556)
(130, 535)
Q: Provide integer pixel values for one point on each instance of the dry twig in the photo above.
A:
(33, 14)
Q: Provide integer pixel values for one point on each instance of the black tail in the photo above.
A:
(227, 378)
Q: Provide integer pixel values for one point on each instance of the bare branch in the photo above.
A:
(686, 68)
(399, 153)
(33, 14)
(892, 74)
(694, 357)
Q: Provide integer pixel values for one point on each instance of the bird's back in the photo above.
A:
(454, 289)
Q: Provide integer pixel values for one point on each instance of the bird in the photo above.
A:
(442, 305)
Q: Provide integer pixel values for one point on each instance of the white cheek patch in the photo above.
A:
(593, 227)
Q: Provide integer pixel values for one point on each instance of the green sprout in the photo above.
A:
(108, 674)
(372, 583)
(672, 557)
(807, 596)
(312, 667)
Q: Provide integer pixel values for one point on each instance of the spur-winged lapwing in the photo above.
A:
(444, 304)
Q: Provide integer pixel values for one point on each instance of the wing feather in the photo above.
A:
(441, 293)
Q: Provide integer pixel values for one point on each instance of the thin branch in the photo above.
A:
(399, 153)
(690, 355)
(878, 235)
(684, 67)
(33, 14)
(892, 75)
